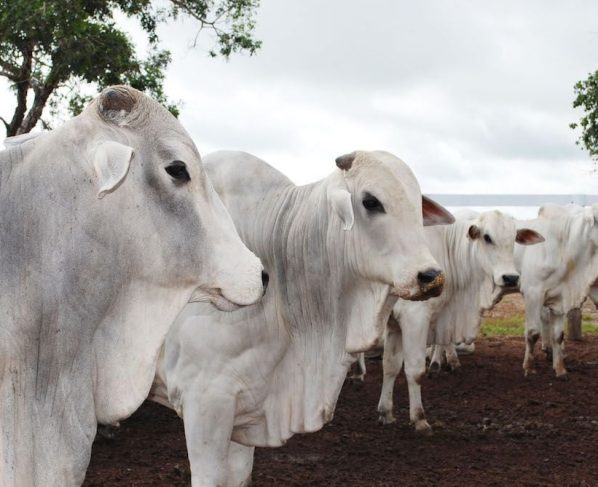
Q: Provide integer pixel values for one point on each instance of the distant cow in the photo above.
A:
(108, 226)
(556, 277)
(477, 255)
(340, 251)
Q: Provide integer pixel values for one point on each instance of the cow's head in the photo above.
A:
(144, 160)
(379, 202)
(493, 235)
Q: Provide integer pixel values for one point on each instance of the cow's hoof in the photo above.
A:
(108, 431)
(386, 418)
(563, 376)
(357, 378)
(455, 368)
(529, 372)
(434, 369)
(423, 428)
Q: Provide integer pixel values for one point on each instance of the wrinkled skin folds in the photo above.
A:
(100, 248)
(340, 252)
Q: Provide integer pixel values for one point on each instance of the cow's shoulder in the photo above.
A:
(236, 172)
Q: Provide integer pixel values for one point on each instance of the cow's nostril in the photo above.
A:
(428, 276)
(265, 280)
(510, 280)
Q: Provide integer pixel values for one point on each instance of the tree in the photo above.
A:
(586, 92)
(53, 49)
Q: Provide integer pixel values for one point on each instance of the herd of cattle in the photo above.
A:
(130, 267)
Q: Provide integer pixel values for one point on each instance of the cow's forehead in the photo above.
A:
(175, 142)
(387, 173)
(502, 226)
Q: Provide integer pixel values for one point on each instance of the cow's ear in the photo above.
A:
(527, 236)
(474, 232)
(340, 201)
(435, 214)
(111, 162)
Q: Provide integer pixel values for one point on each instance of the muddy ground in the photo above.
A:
(491, 426)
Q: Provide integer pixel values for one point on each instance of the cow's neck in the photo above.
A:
(317, 301)
(460, 260)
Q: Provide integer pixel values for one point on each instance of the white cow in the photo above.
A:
(340, 251)
(477, 255)
(465, 322)
(556, 277)
(108, 226)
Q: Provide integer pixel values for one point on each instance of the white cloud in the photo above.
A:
(475, 96)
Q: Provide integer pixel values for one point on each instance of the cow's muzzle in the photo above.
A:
(430, 283)
(510, 280)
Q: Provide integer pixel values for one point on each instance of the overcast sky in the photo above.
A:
(475, 96)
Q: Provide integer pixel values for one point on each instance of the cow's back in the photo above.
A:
(241, 179)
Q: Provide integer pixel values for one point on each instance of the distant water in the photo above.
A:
(519, 212)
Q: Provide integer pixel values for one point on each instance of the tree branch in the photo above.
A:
(42, 93)
(6, 125)
(7, 75)
(22, 87)
(9, 68)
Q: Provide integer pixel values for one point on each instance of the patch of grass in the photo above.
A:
(589, 327)
(514, 326)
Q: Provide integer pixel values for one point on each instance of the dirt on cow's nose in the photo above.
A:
(430, 283)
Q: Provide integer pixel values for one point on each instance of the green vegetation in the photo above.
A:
(513, 326)
(62, 51)
(586, 97)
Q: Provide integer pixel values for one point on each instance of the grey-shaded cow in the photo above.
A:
(477, 255)
(340, 251)
(108, 226)
(556, 277)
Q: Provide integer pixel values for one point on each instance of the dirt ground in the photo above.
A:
(491, 426)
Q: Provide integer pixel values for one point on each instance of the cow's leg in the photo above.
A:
(415, 334)
(240, 464)
(208, 418)
(558, 336)
(452, 358)
(546, 333)
(533, 321)
(436, 360)
(392, 363)
(359, 368)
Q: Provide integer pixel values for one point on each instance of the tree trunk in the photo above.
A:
(19, 114)
(22, 85)
(34, 114)
(574, 324)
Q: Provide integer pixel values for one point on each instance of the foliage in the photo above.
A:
(586, 92)
(513, 326)
(56, 49)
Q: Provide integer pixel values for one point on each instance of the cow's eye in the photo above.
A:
(371, 203)
(178, 171)
(487, 238)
